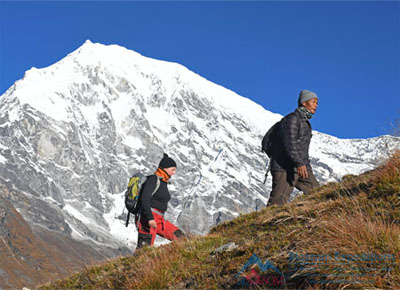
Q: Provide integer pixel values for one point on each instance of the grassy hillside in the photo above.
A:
(342, 235)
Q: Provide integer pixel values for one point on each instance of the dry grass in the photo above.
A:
(346, 239)
(340, 222)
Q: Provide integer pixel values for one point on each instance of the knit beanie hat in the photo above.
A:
(167, 162)
(306, 95)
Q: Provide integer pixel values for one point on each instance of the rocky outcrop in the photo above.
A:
(34, 255)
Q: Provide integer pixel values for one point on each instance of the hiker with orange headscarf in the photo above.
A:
(154, 202)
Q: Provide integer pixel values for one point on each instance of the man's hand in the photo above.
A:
(302, 171)
(153, 224)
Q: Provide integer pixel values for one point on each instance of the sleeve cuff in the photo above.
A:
(149, 217)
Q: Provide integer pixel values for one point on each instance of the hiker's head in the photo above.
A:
(309, 100)
(168, 164)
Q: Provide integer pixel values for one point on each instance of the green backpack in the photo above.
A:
(132, 194)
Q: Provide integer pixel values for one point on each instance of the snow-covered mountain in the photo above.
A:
(71, 135)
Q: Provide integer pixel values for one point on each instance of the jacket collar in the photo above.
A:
(304, 112)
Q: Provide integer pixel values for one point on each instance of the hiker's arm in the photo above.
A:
(147, 190)
(290, 140)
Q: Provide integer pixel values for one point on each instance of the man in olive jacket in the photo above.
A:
(290, 163)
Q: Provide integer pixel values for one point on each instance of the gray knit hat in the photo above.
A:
(305, 95)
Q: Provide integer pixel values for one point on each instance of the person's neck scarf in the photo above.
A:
(305, 112)
(162, 174)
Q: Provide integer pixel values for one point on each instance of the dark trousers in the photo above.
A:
(283, 183)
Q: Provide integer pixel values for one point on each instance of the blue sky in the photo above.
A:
(347, 52)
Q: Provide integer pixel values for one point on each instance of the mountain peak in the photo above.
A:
(109, 54)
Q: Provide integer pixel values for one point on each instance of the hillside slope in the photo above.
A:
(31, 254)
(344, 234)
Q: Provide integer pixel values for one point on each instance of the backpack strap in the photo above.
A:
(157, 186)
(298, 121)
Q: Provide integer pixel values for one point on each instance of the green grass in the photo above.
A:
(341, 221)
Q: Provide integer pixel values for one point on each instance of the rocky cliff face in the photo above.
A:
(31, 255)
(72, 134)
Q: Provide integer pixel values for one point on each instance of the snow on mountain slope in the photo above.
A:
(72, 133)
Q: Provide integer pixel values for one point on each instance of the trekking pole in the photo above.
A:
(127, 219)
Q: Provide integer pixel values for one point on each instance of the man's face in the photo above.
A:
(311, 105)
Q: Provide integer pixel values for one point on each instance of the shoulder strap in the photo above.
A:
(299, 123)
(157, 186)
(295, 113)
(157, 183)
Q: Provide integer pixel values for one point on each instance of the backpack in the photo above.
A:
(269, 142)
(270, 139)
(132, 194)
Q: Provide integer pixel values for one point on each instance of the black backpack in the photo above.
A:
(270, 139)
(269, 142)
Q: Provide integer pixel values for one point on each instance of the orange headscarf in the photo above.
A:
(161, 173)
